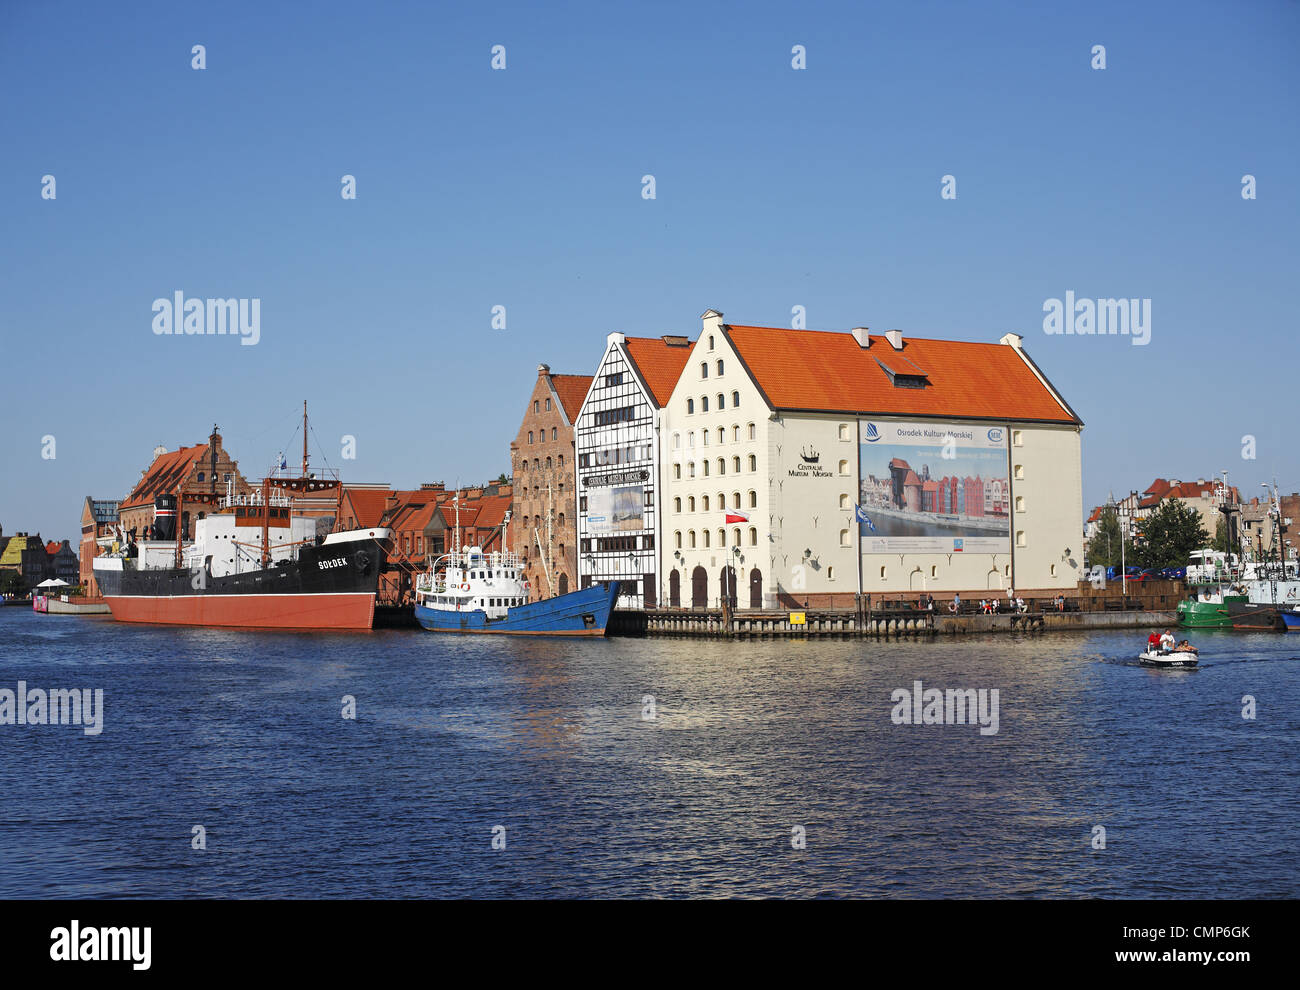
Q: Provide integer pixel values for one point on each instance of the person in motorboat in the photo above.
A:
(1167, 641)
(1153, 642)
(1184, 647)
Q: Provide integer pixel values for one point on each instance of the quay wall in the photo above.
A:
(851, 624)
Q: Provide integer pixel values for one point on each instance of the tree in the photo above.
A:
(1104, 547)
(1221, 541)
(12, 583)
(1169, 535)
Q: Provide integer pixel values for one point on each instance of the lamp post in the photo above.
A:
(739, 560)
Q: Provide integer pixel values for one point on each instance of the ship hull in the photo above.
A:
(1204, 615)
(282, 611)
(1251, 617)
(584, 612)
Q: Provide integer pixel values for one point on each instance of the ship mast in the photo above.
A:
(304, 438)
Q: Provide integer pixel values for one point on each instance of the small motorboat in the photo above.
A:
(1169, 658)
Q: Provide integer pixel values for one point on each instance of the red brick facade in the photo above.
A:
(542, 459)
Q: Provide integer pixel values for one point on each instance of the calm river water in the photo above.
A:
(545, 743)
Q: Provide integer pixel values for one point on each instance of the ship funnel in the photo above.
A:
(164, 517)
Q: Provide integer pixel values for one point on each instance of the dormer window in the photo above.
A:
(903, 378)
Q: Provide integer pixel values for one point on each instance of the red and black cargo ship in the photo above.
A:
(252, 562)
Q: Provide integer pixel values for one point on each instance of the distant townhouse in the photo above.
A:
(25, 555)
(62, 562)
(544, 513)
(619, 461)
(770, 434)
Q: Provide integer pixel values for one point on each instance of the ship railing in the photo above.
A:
(254, 498)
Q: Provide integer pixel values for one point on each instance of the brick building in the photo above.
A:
(200, 474)
(99, 519)
(423, 523)
(544, 511)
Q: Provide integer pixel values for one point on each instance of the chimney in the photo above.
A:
(543, 370)
(895, 337)
(861, 335)
(159, 451)
(712, 321)
(676, 340)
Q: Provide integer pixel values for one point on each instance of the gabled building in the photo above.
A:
(25, 554)
(200, 474)
(963, 456)
(361, 506)
(99, 520)
(544, 513)
(619, 464)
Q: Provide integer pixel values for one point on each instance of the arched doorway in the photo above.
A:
(699, 588)
(755, 588)
(727, 585)
(564, 584)
(675, 588)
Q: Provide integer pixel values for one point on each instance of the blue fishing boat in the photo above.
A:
(470, 591)
(1292, 619)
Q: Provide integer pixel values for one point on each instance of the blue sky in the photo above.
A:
(522, 188)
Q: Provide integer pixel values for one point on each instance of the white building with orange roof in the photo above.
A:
(619, 467)
(810, 467)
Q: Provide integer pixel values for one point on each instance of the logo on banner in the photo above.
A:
(957, 546)
(871, 434)
(995, 435)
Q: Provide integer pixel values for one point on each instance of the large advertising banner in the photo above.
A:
(933, 488)
(615, 510)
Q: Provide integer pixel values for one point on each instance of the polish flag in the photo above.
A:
(736, 516)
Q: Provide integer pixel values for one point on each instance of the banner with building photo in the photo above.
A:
(616, 509)
(928, 487)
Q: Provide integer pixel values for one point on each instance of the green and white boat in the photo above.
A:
(1208, 608)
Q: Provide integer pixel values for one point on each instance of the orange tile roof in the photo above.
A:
(825, 371)
(572, 390)
(162, 476)
(659, 363)
(367, 504)
(52, 547)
